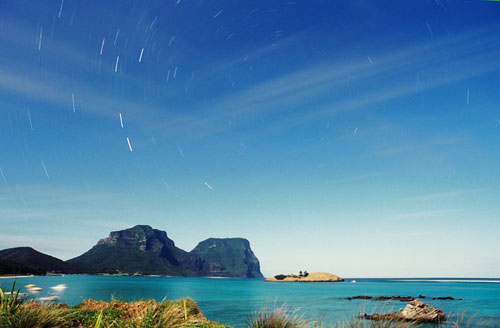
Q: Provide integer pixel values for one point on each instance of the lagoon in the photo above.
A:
(231, 300)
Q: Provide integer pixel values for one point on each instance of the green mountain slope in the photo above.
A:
(33, 259)
(16, 268)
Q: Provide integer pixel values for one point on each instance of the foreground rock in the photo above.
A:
(311, 277)
(415, 311)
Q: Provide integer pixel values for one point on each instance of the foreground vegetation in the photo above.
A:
(184, 313)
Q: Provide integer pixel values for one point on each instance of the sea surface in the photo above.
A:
(232, 301)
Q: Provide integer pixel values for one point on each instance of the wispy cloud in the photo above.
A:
(443, 195)
(423, 215)
(301, 91)
(47, 194)
(418, 146)
(311, 93)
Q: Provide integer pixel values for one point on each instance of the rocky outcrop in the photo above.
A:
(361, 297)
(311, 277)
(382, 298)
(398, 298)
(415, 311)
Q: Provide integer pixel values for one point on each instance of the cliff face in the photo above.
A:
(145, 250)
(228, 257)
(140, 249)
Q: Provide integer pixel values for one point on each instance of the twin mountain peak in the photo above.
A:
(148, 251)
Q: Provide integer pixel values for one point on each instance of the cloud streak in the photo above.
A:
(312, 93)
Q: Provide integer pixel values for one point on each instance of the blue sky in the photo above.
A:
(361, 138)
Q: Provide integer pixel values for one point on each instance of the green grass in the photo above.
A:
(207, 325)
(36, 318)
(88, 318)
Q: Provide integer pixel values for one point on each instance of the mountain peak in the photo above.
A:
(142, 236)
(143, 227)
(222, 242)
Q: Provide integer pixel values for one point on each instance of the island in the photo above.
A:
(307, 277)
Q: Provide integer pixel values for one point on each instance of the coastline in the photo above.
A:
(116, 275)
(19, 276)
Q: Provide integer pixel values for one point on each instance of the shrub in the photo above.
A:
(277, 317)
(157, 317)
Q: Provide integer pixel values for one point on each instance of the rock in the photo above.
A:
(311, 277)
(361, 297)
(415, 311)
(383, 298)
(394, 298)
(419, 311)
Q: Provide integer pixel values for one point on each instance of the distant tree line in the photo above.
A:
(12, 267)
(283, 276)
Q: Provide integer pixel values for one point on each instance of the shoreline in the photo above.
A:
(395, 279)
(20, 276)
(117, 275)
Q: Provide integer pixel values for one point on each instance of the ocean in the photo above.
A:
(232, 301)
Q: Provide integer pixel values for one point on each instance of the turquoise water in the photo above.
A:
(231, 301)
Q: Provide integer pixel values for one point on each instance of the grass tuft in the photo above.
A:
(277, 317)
(36, 317)
(10, 303)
